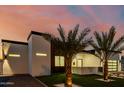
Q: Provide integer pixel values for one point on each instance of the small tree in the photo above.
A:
(106, 47)
(68, 45)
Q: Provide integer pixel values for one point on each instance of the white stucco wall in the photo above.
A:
(41, 65)
(119, 66)
(16, 65)
(90, 64)
(85, 70)
(89, 60)
(1, 58)
(30, 55)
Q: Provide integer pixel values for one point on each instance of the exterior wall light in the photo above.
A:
(1, 51)
(14, 55)
(41, 54)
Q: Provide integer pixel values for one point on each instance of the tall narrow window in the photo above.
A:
(59, 61)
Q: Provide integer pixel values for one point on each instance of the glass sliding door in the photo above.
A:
(112, 65)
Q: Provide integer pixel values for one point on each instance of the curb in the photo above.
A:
(40, 82)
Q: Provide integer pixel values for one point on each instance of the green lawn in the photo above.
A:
(81, 80)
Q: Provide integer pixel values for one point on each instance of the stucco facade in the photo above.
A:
(85, 63)
(39, 65)
(14, 64)
(32, 57)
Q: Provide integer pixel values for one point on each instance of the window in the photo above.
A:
(112, 65)
(59, 61)
(79, 62)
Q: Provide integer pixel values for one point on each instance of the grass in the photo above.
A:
(81, 80)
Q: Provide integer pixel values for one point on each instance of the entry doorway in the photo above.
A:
(77, 63)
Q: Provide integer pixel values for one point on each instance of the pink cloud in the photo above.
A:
(17, 21)
(91, 13)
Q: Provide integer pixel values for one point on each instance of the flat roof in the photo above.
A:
(15, 42)
(37, 33)
(25, 43)
(89, 51)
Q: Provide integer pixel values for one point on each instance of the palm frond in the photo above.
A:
(70, 34)
(72, 43)
(118, 43)
(83, 35)
(104, 41)
(98, 38)
(111, 36)
(97, 49)
(75, 32)
(105, 45)
(121, 48)
(61, 33)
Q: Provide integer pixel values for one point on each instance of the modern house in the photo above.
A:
(37, 57)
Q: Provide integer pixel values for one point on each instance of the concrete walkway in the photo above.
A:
(62, 85)
(19, 81)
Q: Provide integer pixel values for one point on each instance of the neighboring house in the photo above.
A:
(37, 57)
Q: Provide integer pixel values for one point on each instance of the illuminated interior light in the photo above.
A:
(14, 55)
(112, 60)
(41, 54)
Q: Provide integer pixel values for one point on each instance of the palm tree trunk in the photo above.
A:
(106, 70)
(68, 61)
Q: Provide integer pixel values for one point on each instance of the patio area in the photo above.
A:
(19, 81)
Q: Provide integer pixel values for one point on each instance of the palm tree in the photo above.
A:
(68, 45)
(106, 47)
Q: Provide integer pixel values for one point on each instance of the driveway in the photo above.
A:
(19, 81)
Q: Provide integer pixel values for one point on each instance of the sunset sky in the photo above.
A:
(16, 22)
